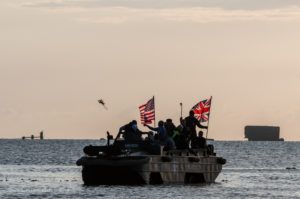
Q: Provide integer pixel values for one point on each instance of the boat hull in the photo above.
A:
(150, 169)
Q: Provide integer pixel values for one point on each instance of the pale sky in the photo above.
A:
(58, 57)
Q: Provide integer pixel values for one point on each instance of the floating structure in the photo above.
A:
(145, 162)
(41, 137)
(263, 133)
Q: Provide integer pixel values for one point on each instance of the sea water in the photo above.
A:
(47, 169)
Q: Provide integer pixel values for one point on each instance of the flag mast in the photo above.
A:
(181, 109)
(209, 115)
(154, 111)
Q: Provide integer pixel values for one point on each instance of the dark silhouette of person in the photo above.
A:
(131, 133)
(163, 138)
(189, 126)
(170, 127)
(161, 131)
(179, 138)
(199, 142)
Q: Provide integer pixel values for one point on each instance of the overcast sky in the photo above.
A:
(58, 57)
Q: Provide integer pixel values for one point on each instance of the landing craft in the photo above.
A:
(144, 162)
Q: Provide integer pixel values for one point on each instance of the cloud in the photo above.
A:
(181, 15)
(123, 11)
(161, 4)
(9, 112)
(206, 15)
(103, 20)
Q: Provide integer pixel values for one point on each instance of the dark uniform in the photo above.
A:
(170, 127)
(199, 142)
(189, 126)
(131, 132)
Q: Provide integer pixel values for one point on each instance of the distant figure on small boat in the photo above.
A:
(163, 138)
(189, 126)
(131, 133)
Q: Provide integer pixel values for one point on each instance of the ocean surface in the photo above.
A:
(47, 169)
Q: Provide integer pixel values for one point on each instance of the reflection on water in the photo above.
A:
(46, 169)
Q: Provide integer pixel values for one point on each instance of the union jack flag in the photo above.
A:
(202, 110)
(147, 112)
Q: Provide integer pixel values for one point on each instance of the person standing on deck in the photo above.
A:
(190, 124)
(170, 127)
(163, 138)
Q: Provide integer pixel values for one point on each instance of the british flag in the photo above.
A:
(202, 110)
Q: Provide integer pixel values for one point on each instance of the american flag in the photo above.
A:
(202, 110)
(147, 112)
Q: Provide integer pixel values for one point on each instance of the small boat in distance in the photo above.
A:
(41, 137)
(263, 133)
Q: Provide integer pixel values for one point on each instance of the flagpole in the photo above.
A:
(154, 111)
(209, 115)
(181, 109)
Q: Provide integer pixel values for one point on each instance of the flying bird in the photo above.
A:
(102, 102)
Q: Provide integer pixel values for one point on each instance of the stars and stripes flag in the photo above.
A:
(147, 112)
(202, 110)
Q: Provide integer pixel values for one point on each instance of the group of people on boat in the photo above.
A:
(168, 135)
